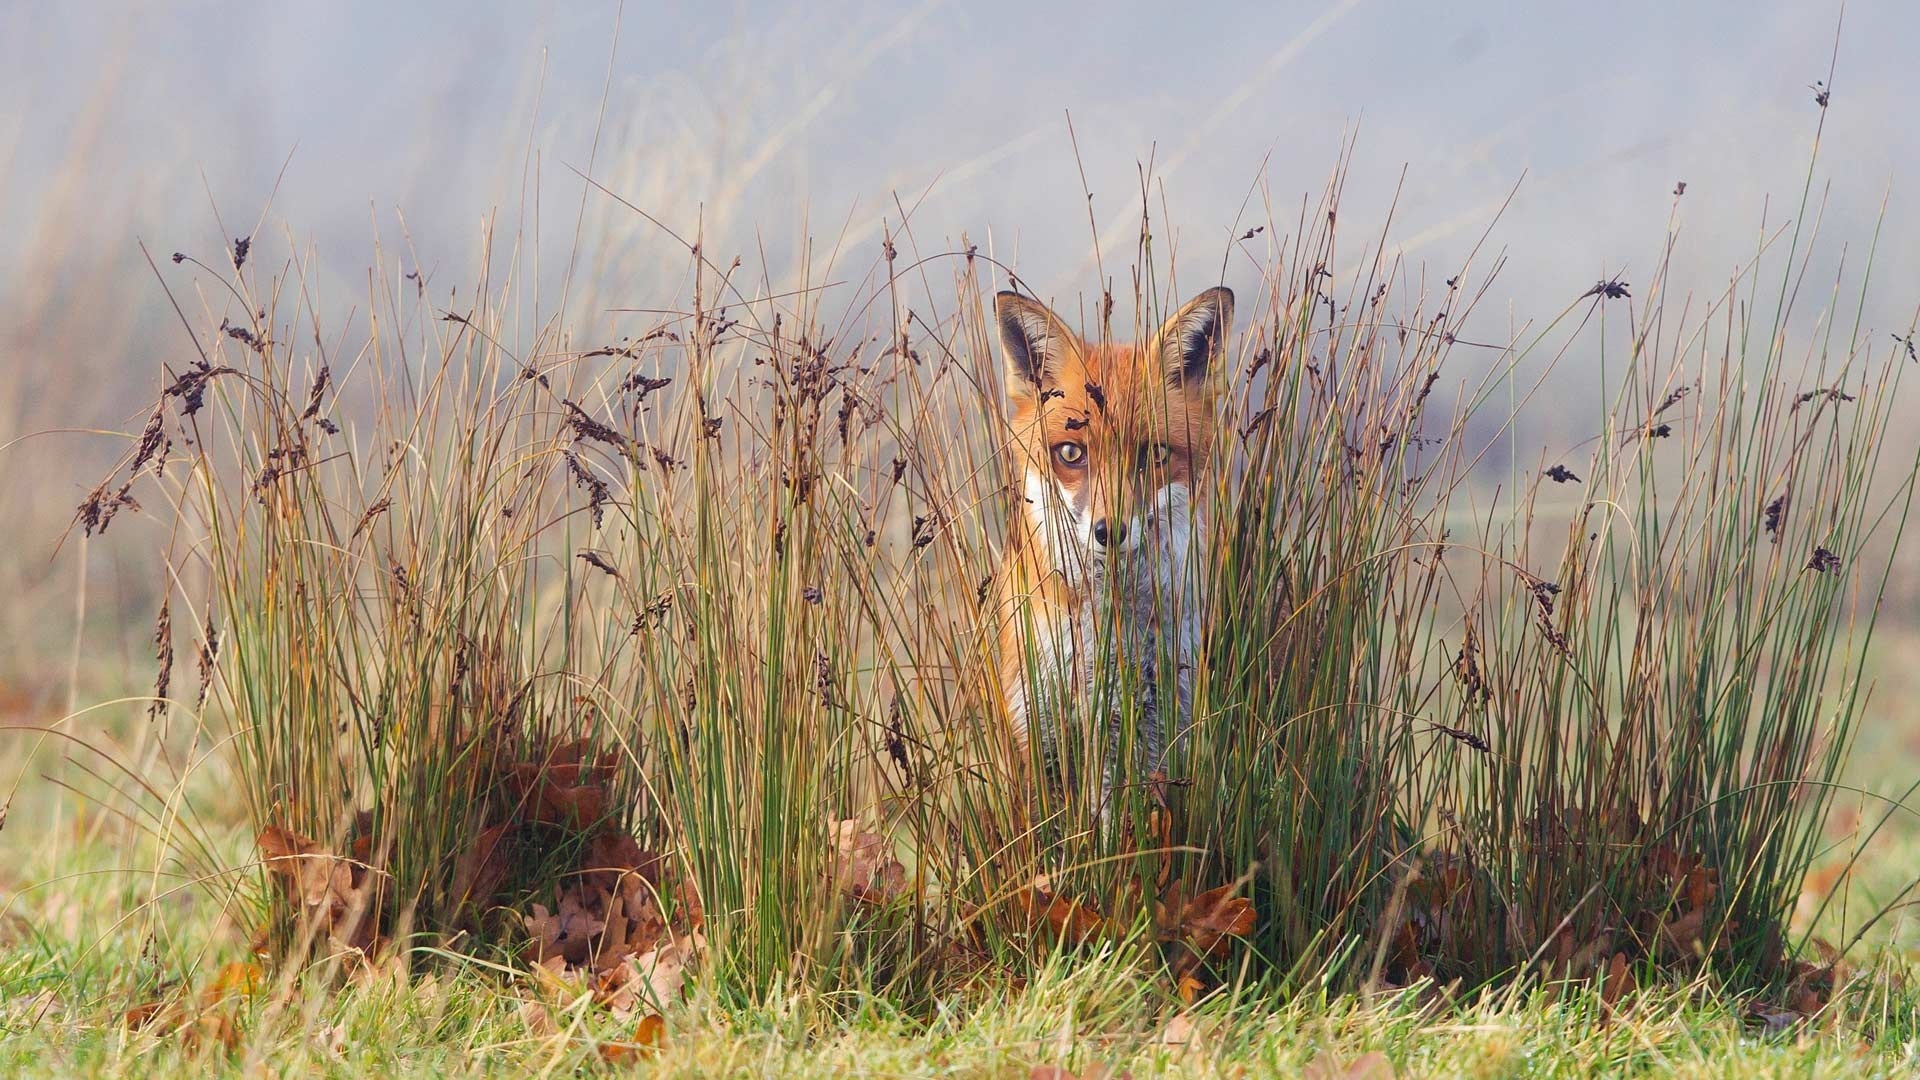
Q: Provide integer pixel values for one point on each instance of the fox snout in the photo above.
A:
(1121, 526)
(1098, 527)
(1113, 534)
(1089, 522)
(1161, 519)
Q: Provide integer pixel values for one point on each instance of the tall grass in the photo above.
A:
(724, 583)
(1669, 692)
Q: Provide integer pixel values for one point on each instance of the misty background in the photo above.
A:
(332, 128)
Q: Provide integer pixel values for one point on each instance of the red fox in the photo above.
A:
(1110, 444)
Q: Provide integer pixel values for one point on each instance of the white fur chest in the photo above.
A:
(1127, 651)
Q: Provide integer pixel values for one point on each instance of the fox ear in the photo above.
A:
(1031, 336)
(1196, 336)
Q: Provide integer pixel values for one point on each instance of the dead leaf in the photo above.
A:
(621, 880)
(687, 910)
(329, 892)
(1702, 885)
(1160, 828)
(1178, 1030)
(654, 979)
(1213, 917)
(607, 935)
(864, 866)
(666, 972)
(564, 790)
(1810, 988)
(573, 807)
(539, 1019)
(556, 981)
(361, 848)
(1189, 988)
(617, 988)
(613, 945)
(1619, 979)
(613, 863)
(150, 1013)
(213, 1015)
(1682, 935)
(648, 1037)
(1070, 922)
(299, 864)
(567, 933)
(482, 867)
(546, 933)
(238, 979)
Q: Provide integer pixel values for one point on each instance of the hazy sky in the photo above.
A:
(783, 121)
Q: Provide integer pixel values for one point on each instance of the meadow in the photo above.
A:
(513, 702)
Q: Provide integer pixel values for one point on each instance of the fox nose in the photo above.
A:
(1109, 533)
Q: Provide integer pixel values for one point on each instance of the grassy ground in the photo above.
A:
(80, 948)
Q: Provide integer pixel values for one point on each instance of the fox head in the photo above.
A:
(1112, 439)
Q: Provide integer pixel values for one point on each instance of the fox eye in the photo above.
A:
(1156, 455)
(1070, 454)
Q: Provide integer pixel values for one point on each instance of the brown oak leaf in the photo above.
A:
(864, 866)
(329, 891)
